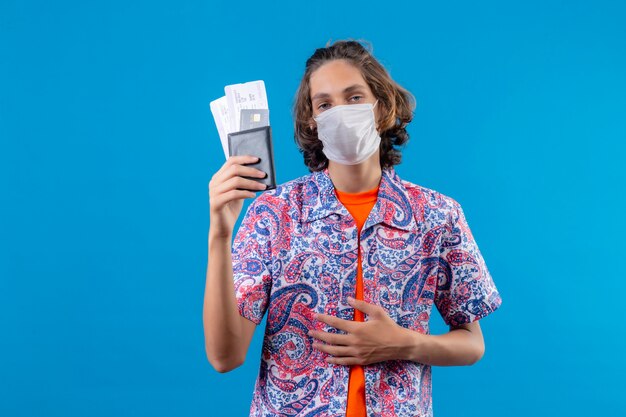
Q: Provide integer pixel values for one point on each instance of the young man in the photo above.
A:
(347, 260)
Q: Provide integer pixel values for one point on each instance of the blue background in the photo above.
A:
(108, 144)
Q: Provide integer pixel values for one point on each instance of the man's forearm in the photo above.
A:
(221, 319)
(457, 347)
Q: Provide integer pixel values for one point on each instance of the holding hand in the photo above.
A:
(376, 340)
(228, 189)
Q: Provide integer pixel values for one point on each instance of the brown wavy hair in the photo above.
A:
(396, 104)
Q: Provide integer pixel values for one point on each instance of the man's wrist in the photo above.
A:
(217, 236)
(416, 346)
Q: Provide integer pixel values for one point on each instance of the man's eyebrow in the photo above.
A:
(345, 90)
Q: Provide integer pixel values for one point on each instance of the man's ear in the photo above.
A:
(379, 111)
(378, 116)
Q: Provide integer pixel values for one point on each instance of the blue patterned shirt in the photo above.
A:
(295, 254)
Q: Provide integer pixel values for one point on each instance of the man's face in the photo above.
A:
(337, 82)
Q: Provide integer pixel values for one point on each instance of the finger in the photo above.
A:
(337, 351)
(245, 171)
(235, 160)
(233, 195)
(365, 307)
(238, 159)
(239, 182)
(346, 360)
(336, 322)
(332, 338)
(236, 170)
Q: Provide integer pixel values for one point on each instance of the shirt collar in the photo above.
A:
(392, 207)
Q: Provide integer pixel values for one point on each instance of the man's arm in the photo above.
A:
(382, 339)
(227, 335)
(462, 345)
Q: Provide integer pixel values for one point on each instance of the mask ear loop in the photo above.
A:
(376, 102)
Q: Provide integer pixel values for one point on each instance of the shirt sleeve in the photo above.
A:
(251, 259)
(465, 289)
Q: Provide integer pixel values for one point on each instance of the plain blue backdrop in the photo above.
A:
(108, 144)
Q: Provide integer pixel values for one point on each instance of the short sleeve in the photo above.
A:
(465, 291)
(251, 259)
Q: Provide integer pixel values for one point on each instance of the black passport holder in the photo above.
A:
(256, 142)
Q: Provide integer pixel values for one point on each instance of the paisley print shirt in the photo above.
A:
(295, 254)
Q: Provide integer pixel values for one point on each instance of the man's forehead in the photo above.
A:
(337, 75)
(325, 92)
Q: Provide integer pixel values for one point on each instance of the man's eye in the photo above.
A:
(356, 97)
(321, 106)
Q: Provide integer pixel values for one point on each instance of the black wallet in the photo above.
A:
(256, 142)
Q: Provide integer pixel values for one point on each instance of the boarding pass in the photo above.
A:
(244, 106)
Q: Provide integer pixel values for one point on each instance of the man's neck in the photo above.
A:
(356, 178)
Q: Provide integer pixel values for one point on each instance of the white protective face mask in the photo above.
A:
(348, 133)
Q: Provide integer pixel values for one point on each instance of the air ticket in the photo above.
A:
(219, 108)
(250, 95)
(227, 109)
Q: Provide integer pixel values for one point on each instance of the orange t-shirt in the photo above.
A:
(359, 205)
